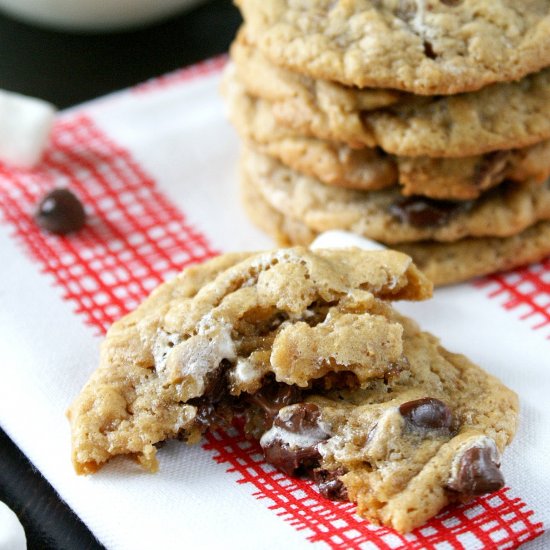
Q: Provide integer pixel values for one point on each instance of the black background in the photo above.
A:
(67, 69)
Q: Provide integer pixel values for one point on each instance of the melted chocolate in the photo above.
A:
(477, 474)
(273, 397)
(424, 212)
(211, 411)
(330, 485)
(305, 416)
(427, 413)
(294, 459)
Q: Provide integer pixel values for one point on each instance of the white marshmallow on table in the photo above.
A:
(12, 534)
(25, 126)
(343, 239)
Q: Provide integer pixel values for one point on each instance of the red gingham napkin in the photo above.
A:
(155, 167)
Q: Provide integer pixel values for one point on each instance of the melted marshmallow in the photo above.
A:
(201, 354)
(162, 346)
(303, 439)
(245, 372)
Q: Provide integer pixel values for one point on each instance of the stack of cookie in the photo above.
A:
(424, 125)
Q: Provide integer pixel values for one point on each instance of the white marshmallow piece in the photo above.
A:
(12, 534)
(344, 239)
(25, 126)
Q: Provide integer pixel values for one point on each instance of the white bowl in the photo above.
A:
(93, 15)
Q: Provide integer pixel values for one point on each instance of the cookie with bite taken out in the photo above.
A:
(333, 382)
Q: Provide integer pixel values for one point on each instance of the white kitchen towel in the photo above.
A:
(155, 167)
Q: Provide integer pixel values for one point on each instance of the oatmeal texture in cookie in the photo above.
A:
(437, 126)
(275, 83)
(445, 47)
(403, 445)
(236, 318)
(387, 216)
(332, 381)
(338, 164)
(443, 263)
(331, 162)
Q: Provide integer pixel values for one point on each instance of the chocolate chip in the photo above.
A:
(207, 416)
(210, 406)
(273, 397)
(427, 413)
(293, 461)
(329, 483)
(60, 212)
(295, 455)
(429, 51)
(424, 212)
(451, 3)
(216, 382)
(303, 417)
(478, 474)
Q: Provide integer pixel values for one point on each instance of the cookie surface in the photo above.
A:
(444, 47)
(235, 317)
(275, 83)
(307, 349)
(386, 216)
(443, 126)
(333, 163)
(443, 263)
(338, 164)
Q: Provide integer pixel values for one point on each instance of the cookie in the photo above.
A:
(442, 263)
(317, 108)
(405, 450)
(276, 83)
(369, 168)
(444, 47)
(442, 126)
(388, 217)
(467, 178)
(234, 312)
(333, 163)
(333, 382)
(286, 231)
(446, 263)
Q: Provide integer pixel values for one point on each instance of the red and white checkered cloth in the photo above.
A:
(155, 167)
